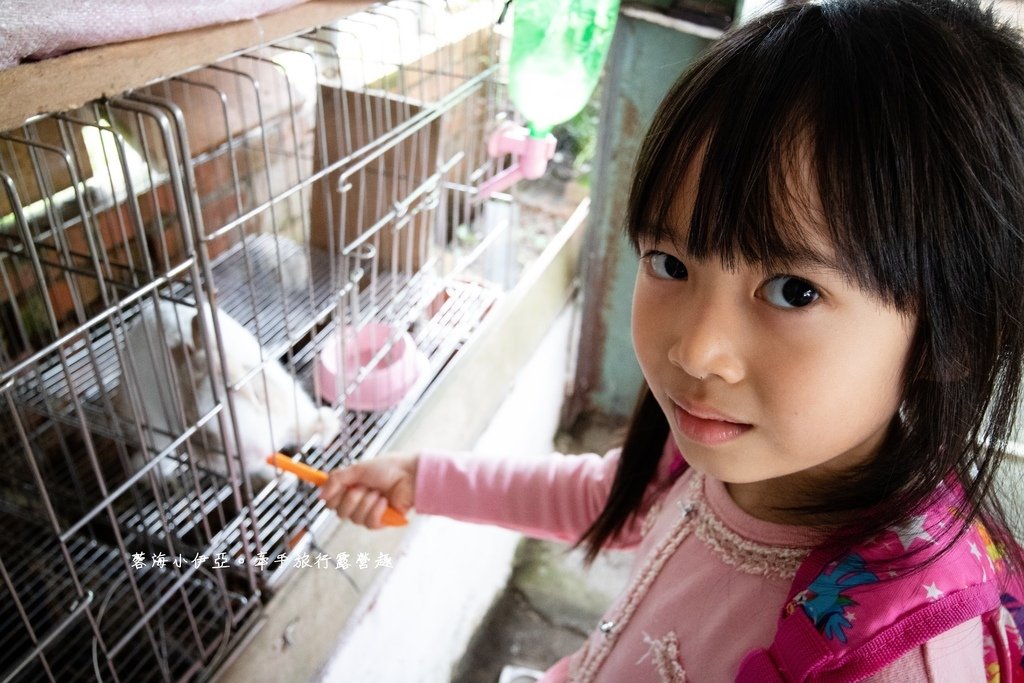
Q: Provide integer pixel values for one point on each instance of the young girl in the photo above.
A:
(828, 211)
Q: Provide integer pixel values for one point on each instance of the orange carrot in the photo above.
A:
(301, 470)
(392, 517)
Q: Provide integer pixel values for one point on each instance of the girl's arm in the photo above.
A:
(552, 496)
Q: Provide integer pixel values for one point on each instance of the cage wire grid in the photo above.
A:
(177, 265)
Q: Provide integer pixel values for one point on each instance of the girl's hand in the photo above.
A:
(363, 490)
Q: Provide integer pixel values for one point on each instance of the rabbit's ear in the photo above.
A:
(197, 331)
(179, 354)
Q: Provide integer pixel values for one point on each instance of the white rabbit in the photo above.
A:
(165, 353)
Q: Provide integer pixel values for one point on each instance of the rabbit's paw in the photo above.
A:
(328, 426)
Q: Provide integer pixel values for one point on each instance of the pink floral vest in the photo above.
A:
(847, 619)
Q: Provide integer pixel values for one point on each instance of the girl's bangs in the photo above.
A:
(736, 198)
(760, 139)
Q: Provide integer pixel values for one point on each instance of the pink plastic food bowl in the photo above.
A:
(339, 364)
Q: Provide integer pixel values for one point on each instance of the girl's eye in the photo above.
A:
(666, 266)
(786, 291)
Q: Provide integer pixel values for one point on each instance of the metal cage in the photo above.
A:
(311, 193)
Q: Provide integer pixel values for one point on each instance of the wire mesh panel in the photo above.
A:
(259, 255)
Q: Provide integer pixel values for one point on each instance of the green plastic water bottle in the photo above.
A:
(558, 51)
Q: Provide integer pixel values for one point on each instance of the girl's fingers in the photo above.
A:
(332, 492)
(362, 491)
(369, 510)
(377, 515)
(339, 480)
(348, 501)
(360, 506)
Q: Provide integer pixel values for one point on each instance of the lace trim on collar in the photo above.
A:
(745, 555)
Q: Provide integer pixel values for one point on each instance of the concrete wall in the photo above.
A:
(645, 60)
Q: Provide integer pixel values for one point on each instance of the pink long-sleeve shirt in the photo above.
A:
(708, 582)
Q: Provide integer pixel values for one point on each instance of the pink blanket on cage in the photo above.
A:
(36, 29)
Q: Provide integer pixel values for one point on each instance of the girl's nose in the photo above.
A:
(709, 343)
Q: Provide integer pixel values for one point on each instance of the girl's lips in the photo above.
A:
(708, 431)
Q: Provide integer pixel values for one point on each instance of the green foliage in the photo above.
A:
(577, 138)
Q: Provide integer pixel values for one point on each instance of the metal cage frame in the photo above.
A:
(313, 185)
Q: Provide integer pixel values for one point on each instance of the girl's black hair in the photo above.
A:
(908, 120)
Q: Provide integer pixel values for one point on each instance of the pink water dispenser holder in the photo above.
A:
(530, 157)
